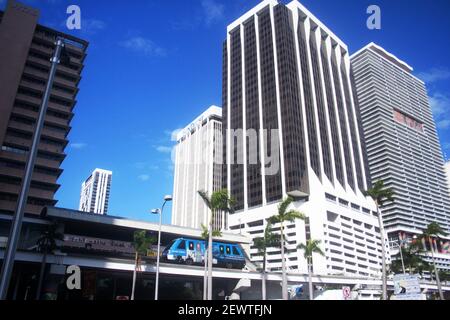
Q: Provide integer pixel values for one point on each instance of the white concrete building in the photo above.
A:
(402, 146)
(285, 71)
(197, 167)
(447, 171)
(95, 191)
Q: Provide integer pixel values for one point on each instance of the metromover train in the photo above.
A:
(192, 251)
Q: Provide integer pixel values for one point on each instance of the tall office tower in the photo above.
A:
(95, 191)
(26, 49)
(402, 143)
(198, 155)
(287, 76)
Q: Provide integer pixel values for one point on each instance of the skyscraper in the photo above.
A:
(26, 49)
(197, 167)
(95, 191)
(402, 142)
(291, 128)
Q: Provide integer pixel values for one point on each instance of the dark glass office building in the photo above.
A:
(290, 126)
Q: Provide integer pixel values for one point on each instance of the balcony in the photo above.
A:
(49, 119)
(46, 132)
(42, 162)
(54, 149)
(41, 75)
(41, 49)
(41, 88)
(34, 193)
(37, 176)
(11, 206)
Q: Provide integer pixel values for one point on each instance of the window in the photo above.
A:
(236, 252)
(221, 248)
(228, 250)
(182, 245)
(191, 245)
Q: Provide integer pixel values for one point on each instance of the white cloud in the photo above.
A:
(143, 46)
(173, 133)
(144, 177)
(164, 149)
(212, 10)
(443, 124)
(77, 145)
(440, 104)
(145, 165)
(434, 74)
(91, 26)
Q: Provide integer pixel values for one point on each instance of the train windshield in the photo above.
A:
(169, 246)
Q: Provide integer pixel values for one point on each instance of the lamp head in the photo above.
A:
(168, 198)
(155, 211)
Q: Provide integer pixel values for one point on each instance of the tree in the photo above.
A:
(285, 215)
(434, 230)
(141, 244)
(205, 236)
(311, 246)
(46, 244)
(412, 259)
(219, 202)
(269, 239)
(379, 193)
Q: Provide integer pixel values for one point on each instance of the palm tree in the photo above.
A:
(141, 244)
(219, 202)
(270, 239)
(311, 246)
(412, 260)
(379, 193)
(46, 244)
(205, 236)
(285, 215)
(434, 230)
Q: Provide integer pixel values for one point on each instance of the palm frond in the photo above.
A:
(292, 215)
(205, 198)
(379, 193)
(282, 207)
(311, 246)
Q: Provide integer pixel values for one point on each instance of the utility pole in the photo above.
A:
(16, 225)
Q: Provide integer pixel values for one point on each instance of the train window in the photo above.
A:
(221, 249)
(228, 250)
(236, 252)
(191, 245)
(182, 245)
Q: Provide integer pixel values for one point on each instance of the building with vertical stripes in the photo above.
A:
(402, 144)
(95, 192)
(198, 167)
(286, 85)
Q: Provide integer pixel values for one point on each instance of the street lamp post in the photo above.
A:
(160, 212)
(400, 243)
(16, 225)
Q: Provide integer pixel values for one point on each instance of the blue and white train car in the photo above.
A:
(192, 251)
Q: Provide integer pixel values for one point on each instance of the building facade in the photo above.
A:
(447, 171)
(26, 49)
(402, 146)
(198, 168)
(291, 128)
(95, 190)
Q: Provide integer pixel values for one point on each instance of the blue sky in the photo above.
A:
(154, 65)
